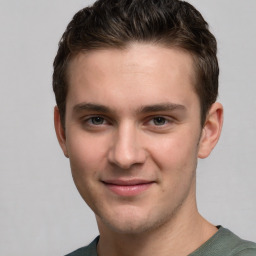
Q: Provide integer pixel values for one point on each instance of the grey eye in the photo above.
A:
(97, 120)
(159, 120)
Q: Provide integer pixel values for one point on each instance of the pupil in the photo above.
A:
(97, 120)
(159, 121)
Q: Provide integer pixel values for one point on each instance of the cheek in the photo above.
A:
(85, 150)
(87, 158)
(176, 154)
(86, 161)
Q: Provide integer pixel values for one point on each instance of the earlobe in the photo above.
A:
(211, 130)
(60, 133)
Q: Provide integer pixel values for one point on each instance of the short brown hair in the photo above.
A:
(116, 23)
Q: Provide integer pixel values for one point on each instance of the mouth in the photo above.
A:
(128, 187)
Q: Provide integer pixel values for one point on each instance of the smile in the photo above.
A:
(128, 188)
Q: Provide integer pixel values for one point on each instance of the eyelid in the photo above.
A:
(151, 117)
(88, 118)
(168, 119)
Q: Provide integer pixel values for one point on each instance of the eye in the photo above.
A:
(159, 120)
(93, 123)
(97, 120)
(160, 123)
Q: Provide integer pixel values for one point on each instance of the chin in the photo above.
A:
(128, 227)
(130, 223)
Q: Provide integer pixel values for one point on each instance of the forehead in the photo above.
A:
(141, 71)
(133, 55)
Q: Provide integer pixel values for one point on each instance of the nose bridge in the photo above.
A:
(126, 149)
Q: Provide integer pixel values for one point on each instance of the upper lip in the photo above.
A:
(131, 182)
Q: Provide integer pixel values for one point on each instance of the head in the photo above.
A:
(117, 24)
(135, 83)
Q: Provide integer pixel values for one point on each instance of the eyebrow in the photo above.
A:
(91, 107)
(143, 109)
(161, 107)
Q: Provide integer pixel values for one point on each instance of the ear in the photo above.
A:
(211, 130)
(60, 133)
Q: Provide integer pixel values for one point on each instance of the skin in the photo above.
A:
(133, 137)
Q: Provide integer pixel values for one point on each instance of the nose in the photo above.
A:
(126, 149)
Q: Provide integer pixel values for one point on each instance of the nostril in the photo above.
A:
(126, 159)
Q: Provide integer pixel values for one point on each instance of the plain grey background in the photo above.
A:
(41, 213)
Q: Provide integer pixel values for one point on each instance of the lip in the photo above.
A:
(128, 187)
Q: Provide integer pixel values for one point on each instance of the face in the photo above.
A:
(133, 134)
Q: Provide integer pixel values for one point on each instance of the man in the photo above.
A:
(136, 83)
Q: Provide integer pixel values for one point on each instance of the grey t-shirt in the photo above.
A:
(222, 243)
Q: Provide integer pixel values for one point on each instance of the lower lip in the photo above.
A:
(131, 190)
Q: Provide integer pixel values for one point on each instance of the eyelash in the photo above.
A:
(159, 118)
(89, 121)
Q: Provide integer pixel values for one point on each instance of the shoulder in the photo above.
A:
(226, 243)
(236, 245)
(89, 250)
(244, 248)
(247, 252)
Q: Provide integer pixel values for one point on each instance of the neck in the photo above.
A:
(186, 232)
